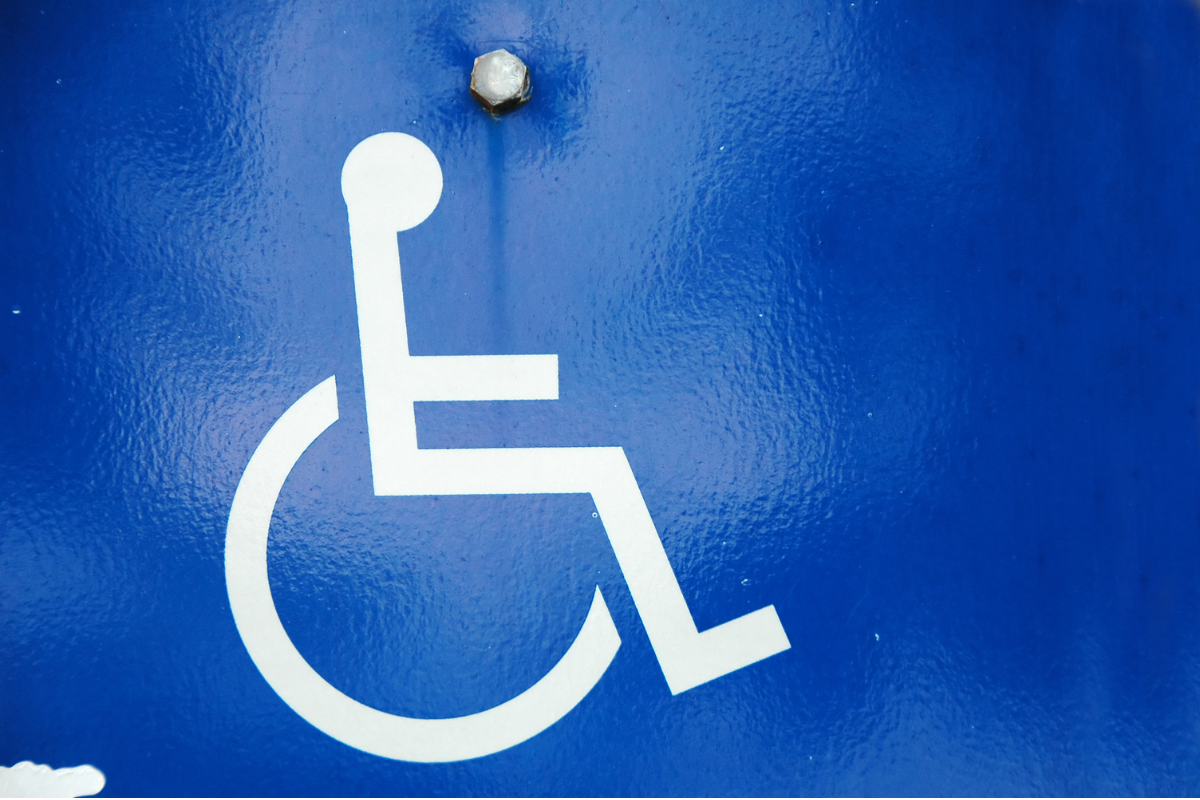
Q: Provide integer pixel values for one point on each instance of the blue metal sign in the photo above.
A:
(776, 400)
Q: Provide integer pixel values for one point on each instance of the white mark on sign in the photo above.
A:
(392, 182)
(27, 779)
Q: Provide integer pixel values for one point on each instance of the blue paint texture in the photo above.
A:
(894, 307)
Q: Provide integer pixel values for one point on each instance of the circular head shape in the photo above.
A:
(391, 180)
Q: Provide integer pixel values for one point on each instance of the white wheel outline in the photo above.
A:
(318, 702)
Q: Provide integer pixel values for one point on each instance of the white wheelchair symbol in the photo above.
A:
(392, 182)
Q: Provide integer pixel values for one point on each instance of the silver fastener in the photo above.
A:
(500, 81)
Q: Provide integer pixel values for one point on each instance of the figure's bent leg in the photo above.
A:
(688, 658)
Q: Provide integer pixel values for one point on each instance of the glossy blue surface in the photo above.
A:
(894, 307)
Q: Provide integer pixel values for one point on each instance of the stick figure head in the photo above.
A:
(392, 181)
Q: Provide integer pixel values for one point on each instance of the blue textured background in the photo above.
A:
(894, 306)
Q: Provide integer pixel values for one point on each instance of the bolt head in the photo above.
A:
(500, 81)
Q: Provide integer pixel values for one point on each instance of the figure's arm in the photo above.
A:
(522, 377)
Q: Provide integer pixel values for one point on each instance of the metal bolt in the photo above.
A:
(500, 81)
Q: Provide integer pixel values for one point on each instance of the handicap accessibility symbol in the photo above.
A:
(392, 182)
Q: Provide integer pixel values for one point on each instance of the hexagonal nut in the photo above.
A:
(500, 81)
